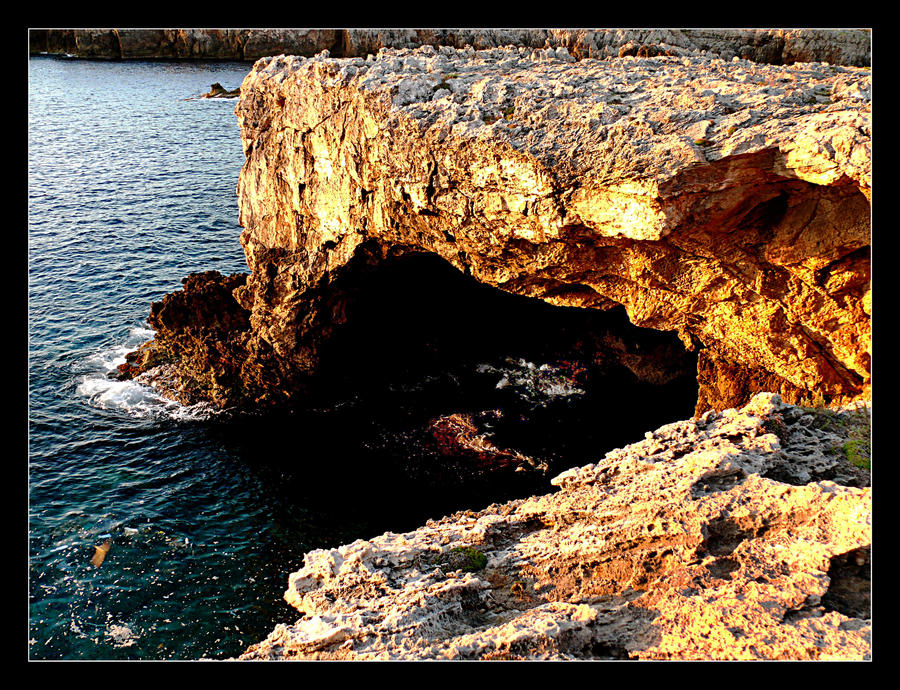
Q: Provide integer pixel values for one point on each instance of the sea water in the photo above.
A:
(131, 186)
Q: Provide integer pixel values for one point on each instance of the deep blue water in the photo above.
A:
(132, 187)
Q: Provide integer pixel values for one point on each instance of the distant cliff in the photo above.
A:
(775, 46)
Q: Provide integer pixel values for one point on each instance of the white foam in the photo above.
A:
(121, 635)
(130, 397)
(141, 334)
(537, 384)
(110, 358)
(110, 394)
(137, 400)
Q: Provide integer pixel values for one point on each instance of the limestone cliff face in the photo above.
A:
(206, 44)
(744, 534)
(724, 201)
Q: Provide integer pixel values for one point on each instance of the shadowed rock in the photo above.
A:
(777, 46)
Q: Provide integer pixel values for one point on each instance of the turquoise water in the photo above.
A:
(132, 187)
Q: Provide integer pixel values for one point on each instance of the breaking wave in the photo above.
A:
(131, 397)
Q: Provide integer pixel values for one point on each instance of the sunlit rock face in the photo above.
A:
(727, 202)
(737, 535)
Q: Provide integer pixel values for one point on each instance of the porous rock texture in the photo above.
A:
(195, 331)
(724, 201)
(742, 534)
(777, 46)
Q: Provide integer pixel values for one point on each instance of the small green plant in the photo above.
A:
(823, 417)
(815, 402)
(475, 559)
(854, 425)
(732, 130)
(703, 142)
(858, 453)
(466, 558)
(858, 448)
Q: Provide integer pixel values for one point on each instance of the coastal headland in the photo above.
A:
(714, 186)
(725, 202)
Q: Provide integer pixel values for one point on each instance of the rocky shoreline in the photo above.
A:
(744, 534)
(719, 199)
(727, 202)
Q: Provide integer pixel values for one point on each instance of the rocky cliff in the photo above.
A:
(777, 46)
(744, 534)
(727, 202)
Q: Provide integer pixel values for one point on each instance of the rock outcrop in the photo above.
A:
(218, 91)
(776, 46)
(744, 534)
(199, 329)
(727, 202)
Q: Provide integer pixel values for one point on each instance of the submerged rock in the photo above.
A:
(461, 435)
(738, 535)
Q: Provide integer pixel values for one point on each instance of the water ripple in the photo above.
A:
(129, 188)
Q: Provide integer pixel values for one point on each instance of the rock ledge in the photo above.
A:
(738, 535)
(727, 202)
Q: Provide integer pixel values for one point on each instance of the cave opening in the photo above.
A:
(439, 393)
(426, 347)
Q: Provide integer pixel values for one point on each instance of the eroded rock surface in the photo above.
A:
(724, 201)
(743, 534)
(199, 329)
